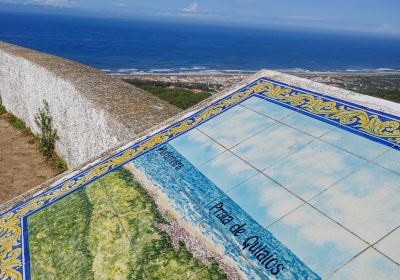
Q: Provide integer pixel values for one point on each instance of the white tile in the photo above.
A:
(370, 265)
(267, 108)
(313, 169)
(227, 170)
(196, 147)
(390, 245)
(366, 202)
(319, 242)
(271, 145)
(313, 127)
(353, 143)
(263, 199)
(235, 125)
(390, 160)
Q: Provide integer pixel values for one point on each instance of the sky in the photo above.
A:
(375, 16)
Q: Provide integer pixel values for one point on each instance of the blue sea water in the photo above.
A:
(126, 46)
(192, 195)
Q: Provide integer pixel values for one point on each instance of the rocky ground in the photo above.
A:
(22, 167)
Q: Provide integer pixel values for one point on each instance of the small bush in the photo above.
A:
(48, 137)
(16, 122)
(2, 108)
(59, 163)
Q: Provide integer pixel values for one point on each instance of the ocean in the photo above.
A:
(141, 46)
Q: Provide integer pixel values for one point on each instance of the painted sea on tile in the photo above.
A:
(269, 182)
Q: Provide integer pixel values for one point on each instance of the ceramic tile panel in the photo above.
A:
(268, 182)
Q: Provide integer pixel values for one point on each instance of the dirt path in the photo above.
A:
(22, 167)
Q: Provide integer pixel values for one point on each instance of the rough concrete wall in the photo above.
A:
(92, 112)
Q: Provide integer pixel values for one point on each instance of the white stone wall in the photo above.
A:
(85, 131)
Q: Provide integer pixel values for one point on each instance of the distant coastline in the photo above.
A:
(383, 83)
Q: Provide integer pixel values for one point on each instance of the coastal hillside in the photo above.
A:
(108, 231)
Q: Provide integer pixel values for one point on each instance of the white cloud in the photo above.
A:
(228, 129)
(120, 5)
(369, 265)
(365, 202)
(271, 145)
(386, 29)
(191, 8)
(53, 3)
(320, 231)
(313, 169)
(229, 163)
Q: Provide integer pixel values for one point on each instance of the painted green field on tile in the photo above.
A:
(106, 231)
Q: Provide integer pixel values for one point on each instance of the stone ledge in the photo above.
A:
(92, 111)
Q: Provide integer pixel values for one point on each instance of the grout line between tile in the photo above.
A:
(381, 253)
(384, 237)
(330, 274)
(329, 124)
(305, 201)
(308, 201)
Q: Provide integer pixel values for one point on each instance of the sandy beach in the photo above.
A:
(200, 246)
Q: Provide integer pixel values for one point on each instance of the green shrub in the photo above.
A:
(179, 94)
(48, 137)
(59, 163)
(16, 122)
(2, 108)
(388, 94)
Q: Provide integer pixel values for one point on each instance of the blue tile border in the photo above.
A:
(365, 122)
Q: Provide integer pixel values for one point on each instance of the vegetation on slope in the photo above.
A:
(58, 245)
(385, 86)
(45, 140)
(48, 137)
(180, 95)
(388, 94)
(107, 231)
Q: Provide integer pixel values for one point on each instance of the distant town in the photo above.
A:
(385, 85)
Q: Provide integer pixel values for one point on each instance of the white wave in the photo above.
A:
(293, 70)
(124, 70)
(376, 70)
(193, 68)
(162, 70)
(238, 71)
